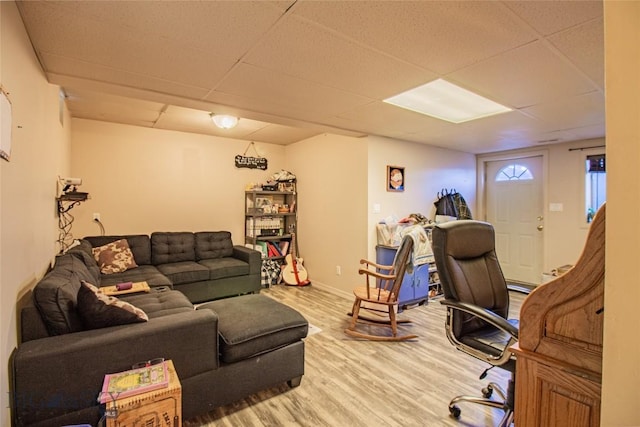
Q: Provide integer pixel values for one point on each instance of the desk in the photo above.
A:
(559, 351)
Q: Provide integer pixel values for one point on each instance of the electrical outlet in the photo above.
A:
(96, 216)
(338, 270)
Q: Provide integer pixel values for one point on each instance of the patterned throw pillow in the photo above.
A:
(114, 257)
(98, 310)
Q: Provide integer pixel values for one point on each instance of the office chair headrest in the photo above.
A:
(464, 239)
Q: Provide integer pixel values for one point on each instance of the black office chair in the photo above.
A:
(477, 300)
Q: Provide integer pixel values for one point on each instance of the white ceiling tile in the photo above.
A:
(322, 66)
(380, 115)
(548, 17)
(571, 112)
(437, 35)
(99, 73)
(292, 93)
(584, 47)
(523, 77)
(314, 53)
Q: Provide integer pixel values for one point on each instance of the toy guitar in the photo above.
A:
(293, 272)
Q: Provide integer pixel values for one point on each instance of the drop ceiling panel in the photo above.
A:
(314, 53)
(293, 93)
(198, 121)
(210, 25)
(283, 135)
(91, 105)
(584, 46)
(549, 17)
(523, 77)
(383, 116)
(567, 113)
(99, 73)
(314, 67)
(436, 35)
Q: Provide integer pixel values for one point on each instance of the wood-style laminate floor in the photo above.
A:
(350, 382)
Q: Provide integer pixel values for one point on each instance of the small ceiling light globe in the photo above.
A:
(224, 121)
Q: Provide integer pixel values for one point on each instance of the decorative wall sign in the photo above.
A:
(251, 162)
(243, 161)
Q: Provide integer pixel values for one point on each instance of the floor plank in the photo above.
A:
(364, 383)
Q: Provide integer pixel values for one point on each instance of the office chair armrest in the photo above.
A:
(484, 314)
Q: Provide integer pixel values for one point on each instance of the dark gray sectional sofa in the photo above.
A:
(222, 351)
(202, 265)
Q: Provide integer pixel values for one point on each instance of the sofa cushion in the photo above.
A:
(213, 244)
(220, 268)
(98, 310)
(140, 245)
(114, 257)
(250, 325)
(168, 247)
(160, 303)
(83, 251)
(143, 273)
(184, 272)
(56, 294)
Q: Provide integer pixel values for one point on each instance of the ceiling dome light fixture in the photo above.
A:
(224, 121)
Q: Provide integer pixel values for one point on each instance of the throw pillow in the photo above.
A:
(114, 257)
(98, 310)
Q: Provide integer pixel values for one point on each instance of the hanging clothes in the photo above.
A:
(451, 203)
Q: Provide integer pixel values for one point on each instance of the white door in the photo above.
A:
(515, 208)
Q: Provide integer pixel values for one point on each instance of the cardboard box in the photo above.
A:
(156, 408)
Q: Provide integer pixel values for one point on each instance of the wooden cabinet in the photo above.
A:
(559, 351)
(417, 284)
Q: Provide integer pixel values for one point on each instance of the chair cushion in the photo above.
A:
(168, 247)
(213, 244)
(250, 325)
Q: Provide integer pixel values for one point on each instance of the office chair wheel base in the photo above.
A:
(487, 392)
(455, 411)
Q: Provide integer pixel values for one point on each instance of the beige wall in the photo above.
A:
(40, 150)
(142, 180)
(427, 171)
(332, 183)
(621, 367)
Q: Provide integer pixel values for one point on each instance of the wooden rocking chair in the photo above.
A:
(381, 301)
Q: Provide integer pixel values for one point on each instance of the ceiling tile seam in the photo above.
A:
(158, 79)
(33, 46)
(240, 60)
(545, 40)
(162, 111)
(366, 46)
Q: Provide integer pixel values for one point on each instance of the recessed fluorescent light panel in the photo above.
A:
(446, 101)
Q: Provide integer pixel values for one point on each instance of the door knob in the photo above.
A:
(540, 218)
(540, 227)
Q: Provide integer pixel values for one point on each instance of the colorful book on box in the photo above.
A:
(135, 381)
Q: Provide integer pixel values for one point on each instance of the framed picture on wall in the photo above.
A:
(395, 178)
